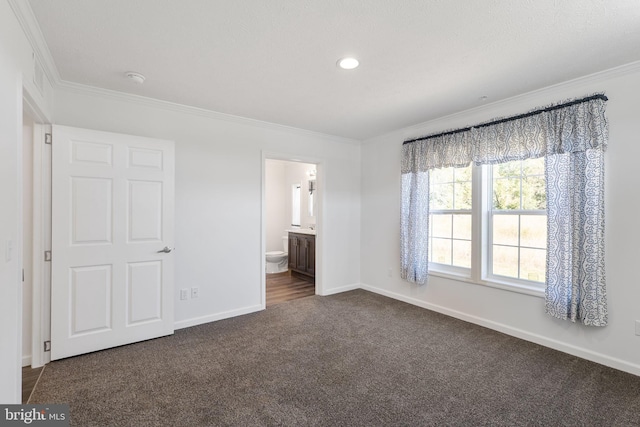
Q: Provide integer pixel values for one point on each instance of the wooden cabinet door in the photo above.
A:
(292, 252)
(301, 254)
(311, 256)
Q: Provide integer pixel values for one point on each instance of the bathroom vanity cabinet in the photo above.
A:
(302, 254)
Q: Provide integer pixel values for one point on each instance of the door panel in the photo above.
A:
(145, 211)
(91, 210)
(112, 211)
(91, 293)
(144, 283)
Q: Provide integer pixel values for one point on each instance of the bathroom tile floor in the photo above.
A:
(283, 287)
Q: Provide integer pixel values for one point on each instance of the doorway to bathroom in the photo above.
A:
(291, 217)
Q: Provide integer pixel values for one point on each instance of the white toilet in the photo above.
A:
(278, 261)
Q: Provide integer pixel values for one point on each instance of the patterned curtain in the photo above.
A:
(417, 160)
(572, 137)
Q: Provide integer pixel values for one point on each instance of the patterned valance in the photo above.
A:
(569, 127)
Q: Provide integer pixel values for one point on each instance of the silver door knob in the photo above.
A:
(165, 250)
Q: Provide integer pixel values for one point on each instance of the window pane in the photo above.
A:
(505, 230)
(441, 249)
(462, 253)
(441, 226)
(506, 193)
(533, 231)
(505, 261)
(505, 170)
(439, 176)
(450, 192)
(463, 195)
(463, 174)
(533, 166)
(533, 193)
(462, 227)
(441, 196)
(532, 264)
(295, 204)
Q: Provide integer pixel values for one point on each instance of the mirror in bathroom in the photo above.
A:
(312, 190)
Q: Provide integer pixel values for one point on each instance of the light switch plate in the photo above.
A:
(8, 255)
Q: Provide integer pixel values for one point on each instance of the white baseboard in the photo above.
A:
(26, 361)
(187, 323)
(339, 290)
(181, 324)
(581, 352)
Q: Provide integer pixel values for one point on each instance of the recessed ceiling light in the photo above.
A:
(136, 77)
(348, 63)
(484, 98)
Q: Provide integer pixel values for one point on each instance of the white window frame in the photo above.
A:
(446, 269)
(481, 243)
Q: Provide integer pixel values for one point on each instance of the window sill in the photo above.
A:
(521, 288)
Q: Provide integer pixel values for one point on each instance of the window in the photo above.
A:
(450, 216)
(511, 212)
(518, 220)
(295, 204)
(509, 204)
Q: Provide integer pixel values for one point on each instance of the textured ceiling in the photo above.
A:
(274, 60)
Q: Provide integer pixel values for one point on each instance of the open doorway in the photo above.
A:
(291, 219)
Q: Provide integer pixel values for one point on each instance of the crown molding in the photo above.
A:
(195, 111)
(594, 78)
(28, 22)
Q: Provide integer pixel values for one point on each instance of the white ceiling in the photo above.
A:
(275, 60)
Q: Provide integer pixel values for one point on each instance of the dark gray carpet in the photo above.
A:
(351, 359)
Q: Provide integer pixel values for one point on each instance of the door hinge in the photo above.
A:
(47, 138)
(23, 275)
(47, 346)
(47, 255)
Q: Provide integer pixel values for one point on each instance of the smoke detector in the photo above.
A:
(136, 77)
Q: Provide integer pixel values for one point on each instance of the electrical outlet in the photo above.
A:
(194, 292)
(637, 327)
(184, 294)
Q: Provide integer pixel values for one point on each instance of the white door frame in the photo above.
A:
(41, 270)
(320, 179)
(41, 223)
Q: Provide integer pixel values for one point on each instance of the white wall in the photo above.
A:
(218, 196)
(277, 217)
(514, 313)
(16, 70)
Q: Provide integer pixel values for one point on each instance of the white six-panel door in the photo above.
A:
(112, 215)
